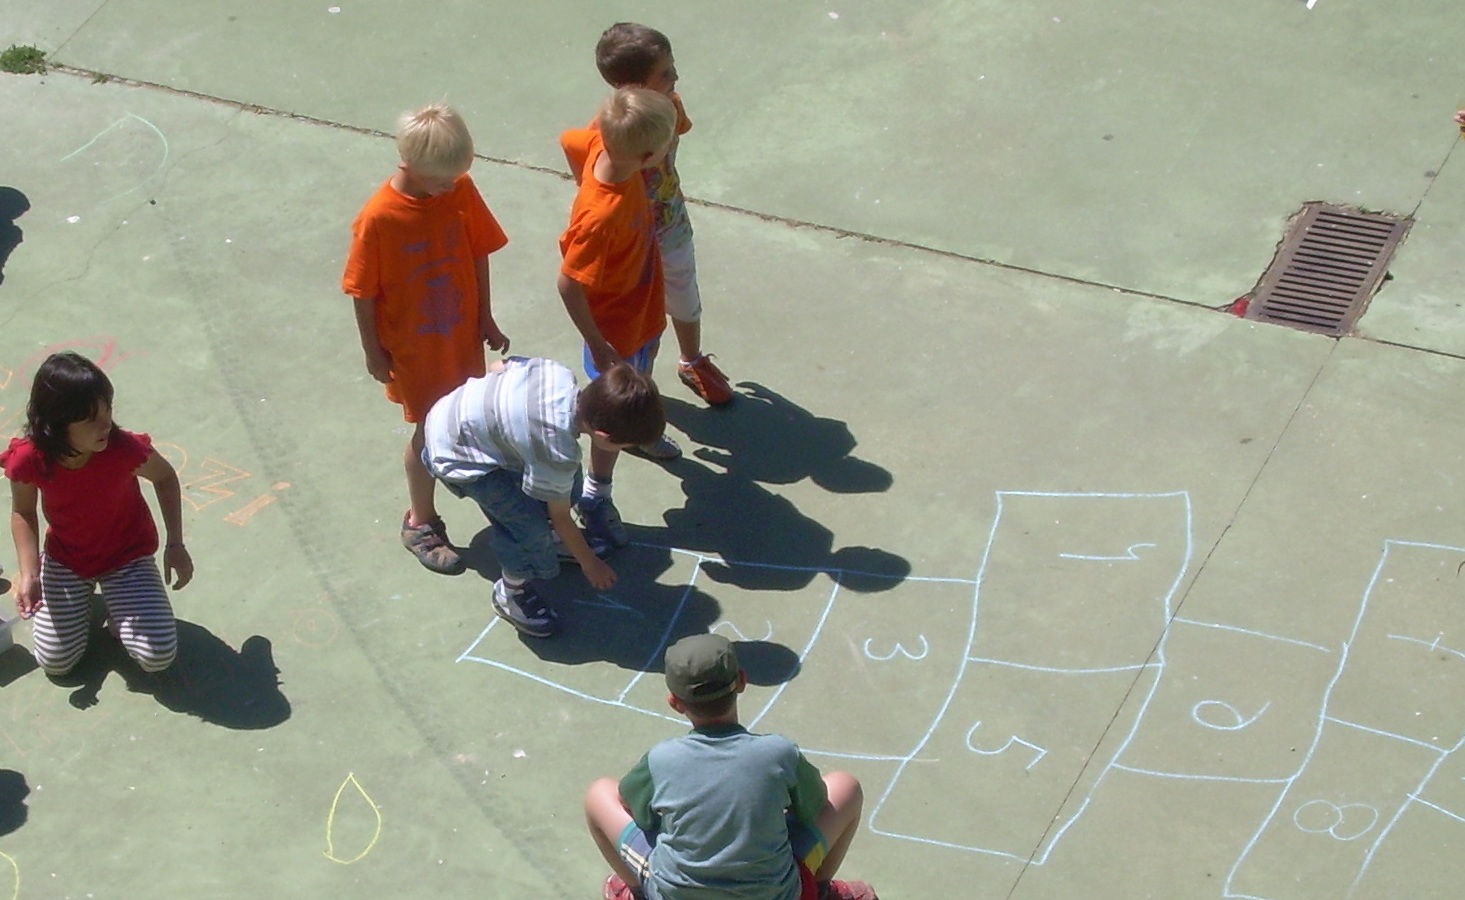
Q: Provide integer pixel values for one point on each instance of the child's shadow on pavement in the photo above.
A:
(766, 437)
(767, 542)
(13, 205)
(13, 791)
(632, 624)
(628, 625)
(209, 679)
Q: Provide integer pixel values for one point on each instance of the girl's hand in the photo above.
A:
(177, 566)
(27, 595)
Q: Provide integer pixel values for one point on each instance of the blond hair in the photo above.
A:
(435, 141)
(636, 121)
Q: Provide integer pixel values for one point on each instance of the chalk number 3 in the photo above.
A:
(898, 650)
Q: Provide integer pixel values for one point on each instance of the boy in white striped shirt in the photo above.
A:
(510, 442)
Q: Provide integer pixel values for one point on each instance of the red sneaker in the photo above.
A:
(617, 889)
(846, 890)
(706, 380)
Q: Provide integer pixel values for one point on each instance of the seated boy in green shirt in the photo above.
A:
(721, 812)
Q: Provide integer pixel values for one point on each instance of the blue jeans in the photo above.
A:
(522, 539)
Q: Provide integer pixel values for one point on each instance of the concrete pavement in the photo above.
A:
(1101, 591)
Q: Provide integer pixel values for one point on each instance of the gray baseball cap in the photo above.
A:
(701, 667)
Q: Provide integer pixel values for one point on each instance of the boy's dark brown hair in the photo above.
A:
(624, 404)
(627, 52)
(710, 709)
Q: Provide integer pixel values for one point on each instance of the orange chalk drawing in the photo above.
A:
(27, 728)
(202, 488)
(316, 627)
(203, 484)
(243, 514)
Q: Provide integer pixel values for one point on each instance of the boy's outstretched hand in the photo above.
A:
(600, 575)
(1460, 118)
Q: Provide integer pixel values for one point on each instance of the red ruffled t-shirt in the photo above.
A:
(96, 517)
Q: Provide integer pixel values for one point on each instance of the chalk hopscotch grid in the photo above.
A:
(1323, 718)
(651, 664)
(1158, 664)
(1041, 858)
(902, 760)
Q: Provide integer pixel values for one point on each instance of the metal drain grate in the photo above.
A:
(1329, 266)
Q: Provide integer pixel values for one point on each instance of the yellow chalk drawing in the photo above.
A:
(14, 869)
(331, 822)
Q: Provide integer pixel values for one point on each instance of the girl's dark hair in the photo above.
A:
(627, 52)
(624, 404)
(68, 388)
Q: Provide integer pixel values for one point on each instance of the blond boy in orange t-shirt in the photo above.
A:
(418, 271)
(610, 279)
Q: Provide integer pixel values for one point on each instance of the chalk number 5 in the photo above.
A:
(1005, 747)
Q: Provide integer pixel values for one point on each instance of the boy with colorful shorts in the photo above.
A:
(631, 55)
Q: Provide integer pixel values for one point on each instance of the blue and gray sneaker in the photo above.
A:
(599, 546)
(663, 449)
(602, 522)
(525, 610)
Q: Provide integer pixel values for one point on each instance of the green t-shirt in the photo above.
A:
(713, 802)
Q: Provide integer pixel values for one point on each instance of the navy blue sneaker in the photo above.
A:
(525, 610)
(602, 522)
(599, 546)
(663, 449)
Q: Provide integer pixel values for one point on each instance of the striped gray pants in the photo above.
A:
(137, 606)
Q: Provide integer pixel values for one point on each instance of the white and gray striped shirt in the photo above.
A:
(521, 419)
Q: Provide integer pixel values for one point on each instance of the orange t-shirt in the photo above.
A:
(610, 249)
(417, 258)
(663, 184)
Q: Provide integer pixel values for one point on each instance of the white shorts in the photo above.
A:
(679, 269)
